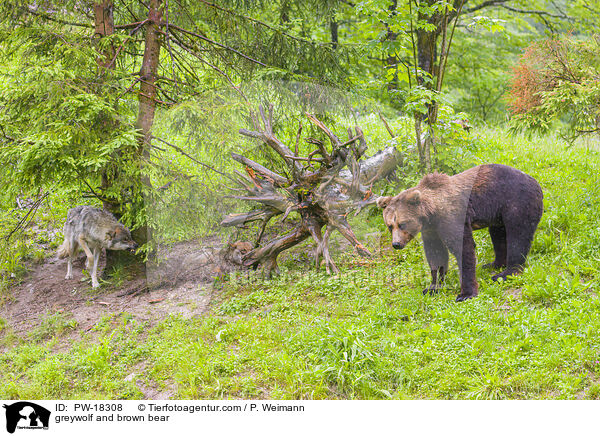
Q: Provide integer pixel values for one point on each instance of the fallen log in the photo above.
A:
(322, 190)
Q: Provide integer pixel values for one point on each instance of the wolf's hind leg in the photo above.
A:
(70, 252)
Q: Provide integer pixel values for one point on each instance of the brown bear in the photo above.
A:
(446, 209)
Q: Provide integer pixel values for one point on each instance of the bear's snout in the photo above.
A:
(398, 245)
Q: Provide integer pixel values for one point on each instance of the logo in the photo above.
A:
(26, 415)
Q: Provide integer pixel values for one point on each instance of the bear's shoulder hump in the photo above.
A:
(434, 181)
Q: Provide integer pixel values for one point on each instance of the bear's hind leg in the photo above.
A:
(498, 235)
(518, 243)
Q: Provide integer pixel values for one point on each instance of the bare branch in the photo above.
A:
(33, 11)
(267, 137)
(537, 12)
(218, 44)
(276, 179)
(181, 151)
(387, 126)
(322, 197)
(335, 141)
(483, 5)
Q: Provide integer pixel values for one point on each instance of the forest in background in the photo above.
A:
(112, 101)
(136, 107)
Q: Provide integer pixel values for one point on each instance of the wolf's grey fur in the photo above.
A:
(93, 230)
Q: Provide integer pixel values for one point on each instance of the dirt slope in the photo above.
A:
(180, 284)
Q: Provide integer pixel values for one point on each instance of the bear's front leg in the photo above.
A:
(437, 281)
(467, 262)
(437, 257)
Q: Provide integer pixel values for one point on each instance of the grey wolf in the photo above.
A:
(445, 210)
(92, 230)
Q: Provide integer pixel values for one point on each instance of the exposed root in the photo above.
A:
(322, 190)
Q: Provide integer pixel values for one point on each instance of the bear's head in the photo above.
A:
(401, 214)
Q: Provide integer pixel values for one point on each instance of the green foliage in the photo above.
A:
(476, 79)
(557, 80)
(53, 325)
(61, 130)
(369, 332)
(69, 125)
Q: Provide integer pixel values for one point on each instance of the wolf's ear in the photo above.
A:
(414, 198)
(383, 202)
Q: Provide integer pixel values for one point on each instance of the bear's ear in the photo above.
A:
(383, 202)
(414, 198)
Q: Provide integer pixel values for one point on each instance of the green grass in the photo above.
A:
(368, 333)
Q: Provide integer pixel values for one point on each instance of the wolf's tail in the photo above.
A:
(63, 250)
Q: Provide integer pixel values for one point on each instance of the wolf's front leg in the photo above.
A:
(69, 269)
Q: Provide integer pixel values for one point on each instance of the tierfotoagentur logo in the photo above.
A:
(26, 415)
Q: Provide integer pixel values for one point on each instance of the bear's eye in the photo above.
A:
(402, 226)
(390, 227)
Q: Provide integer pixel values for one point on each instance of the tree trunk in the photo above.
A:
(104, 26)
(427, 57)
(147, 100)
(427, 47)
(145, 119)
(333, 30)
(148, 75)
(391, 60)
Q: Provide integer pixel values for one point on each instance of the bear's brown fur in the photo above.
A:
(445, 210)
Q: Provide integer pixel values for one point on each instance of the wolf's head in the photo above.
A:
(119, 238)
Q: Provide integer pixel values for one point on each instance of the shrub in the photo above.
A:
(557, 79)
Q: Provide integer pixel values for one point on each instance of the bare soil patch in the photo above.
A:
(181, 283)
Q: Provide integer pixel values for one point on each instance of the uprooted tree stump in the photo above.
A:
(323, 188)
